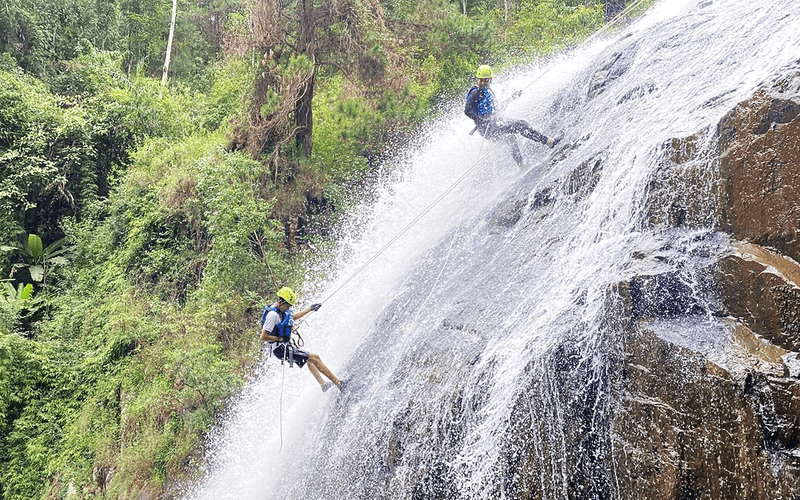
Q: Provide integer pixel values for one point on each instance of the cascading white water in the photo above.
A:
(501, 290)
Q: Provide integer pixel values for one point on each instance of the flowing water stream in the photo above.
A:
(477, 345)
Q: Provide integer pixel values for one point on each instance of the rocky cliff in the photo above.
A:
(723, 423)
(691, 417)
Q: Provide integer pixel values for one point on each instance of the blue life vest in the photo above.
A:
(283, 329)
(479, 103)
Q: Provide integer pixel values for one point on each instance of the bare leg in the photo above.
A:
(316, 365)
(313, 369)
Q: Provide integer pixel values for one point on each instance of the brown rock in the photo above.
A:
(688, 428)
(760, 288)
(759, 165)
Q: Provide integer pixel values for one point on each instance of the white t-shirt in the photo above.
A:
(272, 319)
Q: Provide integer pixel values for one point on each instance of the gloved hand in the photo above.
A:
(315, 307)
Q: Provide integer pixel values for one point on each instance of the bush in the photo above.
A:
(542, 28)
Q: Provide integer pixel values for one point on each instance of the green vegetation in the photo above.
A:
(143, 226)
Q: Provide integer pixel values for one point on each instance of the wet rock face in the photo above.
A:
(681, 193)
(760, 168)
(610, 69)
(669, 420)
(652, 414)
(688, 426)
(761, 296)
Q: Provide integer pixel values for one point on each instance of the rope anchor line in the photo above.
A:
(408, 226)
(465, 174)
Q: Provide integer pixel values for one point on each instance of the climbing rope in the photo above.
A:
(408, 226)
(481, 159)
(449, 252)
(614, 21)
(280, 408)
(606, 26)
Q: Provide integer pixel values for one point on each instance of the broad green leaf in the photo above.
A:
(8, 292)
(26, 291)
(56, 248)
(35, 246)
(37, 272)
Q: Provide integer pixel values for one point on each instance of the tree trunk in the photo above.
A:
(303, 117)
(612, 8)
(302, 111)
(169, 42)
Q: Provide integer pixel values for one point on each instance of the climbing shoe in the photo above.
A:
(327, 386)
(342, 385)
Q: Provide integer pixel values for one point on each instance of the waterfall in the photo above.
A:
(479, 346)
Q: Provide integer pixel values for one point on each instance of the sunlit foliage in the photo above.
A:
(114, 366)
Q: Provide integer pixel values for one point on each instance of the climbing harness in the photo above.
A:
(285, 353)
(287, 350)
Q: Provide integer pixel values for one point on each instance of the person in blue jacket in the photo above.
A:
(480, 106)
(276, 329)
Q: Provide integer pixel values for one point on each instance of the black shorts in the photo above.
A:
(298, 356)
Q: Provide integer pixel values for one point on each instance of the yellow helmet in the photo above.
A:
(288, 295)
(484, 71)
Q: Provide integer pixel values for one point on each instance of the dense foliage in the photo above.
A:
(143, 226)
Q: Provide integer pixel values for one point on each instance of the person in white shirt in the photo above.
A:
(276, 329)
